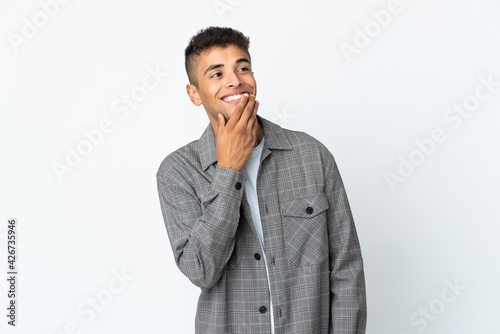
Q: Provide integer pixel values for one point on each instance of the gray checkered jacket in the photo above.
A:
(314, 258)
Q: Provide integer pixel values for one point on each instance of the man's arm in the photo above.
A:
(202, 230)
(347, 282)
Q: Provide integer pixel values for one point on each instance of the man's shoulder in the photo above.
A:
(302, 141)
(309, 151)
(297, 137)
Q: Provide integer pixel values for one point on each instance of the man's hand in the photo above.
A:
(236, 138)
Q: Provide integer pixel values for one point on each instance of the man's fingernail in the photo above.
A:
(246, 94)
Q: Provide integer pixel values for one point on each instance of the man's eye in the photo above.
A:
(244, 69)
(215, 75)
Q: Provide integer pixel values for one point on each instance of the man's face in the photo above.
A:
(223, 75)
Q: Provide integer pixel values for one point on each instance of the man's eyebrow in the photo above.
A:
(213, 67)
(242, 60)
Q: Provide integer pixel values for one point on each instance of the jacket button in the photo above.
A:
(256, 256)
(238, 185)
(309, 210)
(262, 309)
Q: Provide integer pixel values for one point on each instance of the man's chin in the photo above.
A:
(228, 112)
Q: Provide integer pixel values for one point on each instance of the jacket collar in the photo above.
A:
(275, 139)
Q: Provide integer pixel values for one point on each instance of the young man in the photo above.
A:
(257, 215)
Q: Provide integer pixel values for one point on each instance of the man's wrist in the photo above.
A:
(230, 166)
(228, 181)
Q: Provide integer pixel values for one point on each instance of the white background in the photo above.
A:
(438, 227)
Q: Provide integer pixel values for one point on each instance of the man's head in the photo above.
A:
(207, 39)
(219, 70)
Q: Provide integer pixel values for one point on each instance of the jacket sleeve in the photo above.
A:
(348, 311)
(201, 230)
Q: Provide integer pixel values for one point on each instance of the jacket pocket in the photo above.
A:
(305, 226)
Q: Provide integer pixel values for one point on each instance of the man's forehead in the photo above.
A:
(220, 54)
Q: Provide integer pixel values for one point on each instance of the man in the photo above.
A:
(257, 215)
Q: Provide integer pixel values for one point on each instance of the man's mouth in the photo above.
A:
(232, 98)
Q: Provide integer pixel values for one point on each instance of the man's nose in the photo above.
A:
(233, 80)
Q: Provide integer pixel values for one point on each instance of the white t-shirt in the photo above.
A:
(250, 170)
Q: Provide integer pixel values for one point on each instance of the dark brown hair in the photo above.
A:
(208, 38)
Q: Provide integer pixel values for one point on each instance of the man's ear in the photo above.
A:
(193, 94)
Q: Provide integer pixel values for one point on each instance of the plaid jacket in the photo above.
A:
(314, 258)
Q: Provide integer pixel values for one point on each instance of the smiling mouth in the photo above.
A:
(231, 98)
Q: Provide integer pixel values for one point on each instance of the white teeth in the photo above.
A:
(233, 97)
